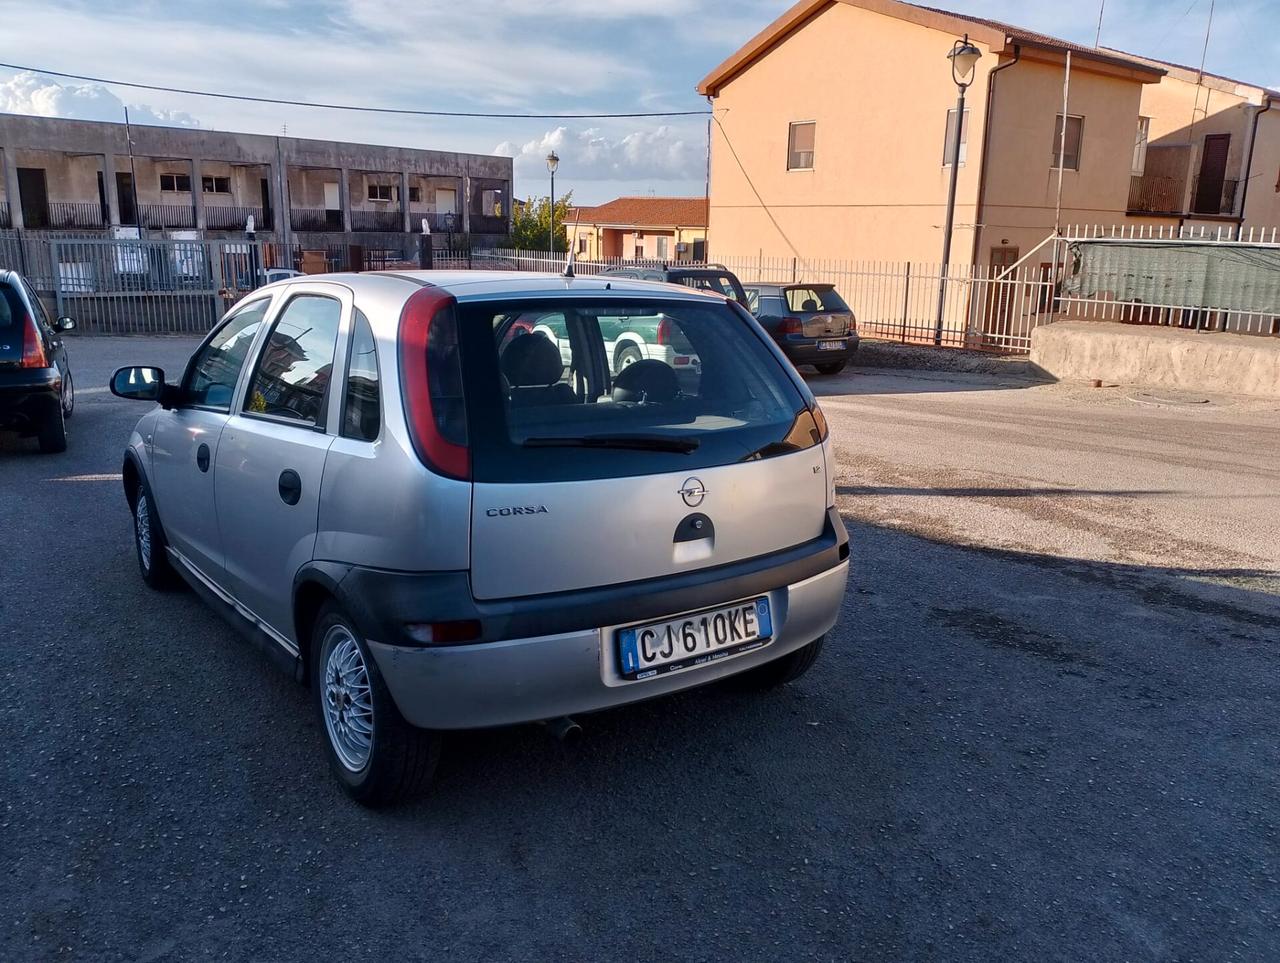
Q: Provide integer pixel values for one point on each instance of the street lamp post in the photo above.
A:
(552, 163)
(964, 57)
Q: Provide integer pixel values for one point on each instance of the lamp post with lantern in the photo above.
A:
(964, 58)
(552, 163)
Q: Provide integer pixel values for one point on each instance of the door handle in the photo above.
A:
(290, 487)
(202, 457)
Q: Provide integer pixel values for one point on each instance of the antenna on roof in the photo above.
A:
(568, 261)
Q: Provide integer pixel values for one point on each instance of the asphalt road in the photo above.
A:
(1045, 728)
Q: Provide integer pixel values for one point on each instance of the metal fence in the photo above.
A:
(1212, 280)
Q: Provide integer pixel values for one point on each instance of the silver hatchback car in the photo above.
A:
(438, 517)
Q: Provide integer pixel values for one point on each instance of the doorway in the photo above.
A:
(999, 299)
(33, 194)
(1213, 175)
(125, 198)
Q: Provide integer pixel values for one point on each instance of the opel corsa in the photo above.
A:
(438, 517)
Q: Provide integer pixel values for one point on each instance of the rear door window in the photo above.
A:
(620, 387)
(291, 380)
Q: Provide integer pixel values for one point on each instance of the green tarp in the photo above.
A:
(1220, 277)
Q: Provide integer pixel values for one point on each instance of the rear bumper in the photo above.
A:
(27, 397)
(808, 352)
(523, 680)
(554, 655)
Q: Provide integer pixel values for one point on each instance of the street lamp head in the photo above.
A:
(964, 57)
(552, 162)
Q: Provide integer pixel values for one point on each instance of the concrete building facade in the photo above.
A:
(86, 175)
(830, 133)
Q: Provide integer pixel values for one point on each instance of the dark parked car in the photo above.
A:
(36, 392)
(709, 277)
(811, 323)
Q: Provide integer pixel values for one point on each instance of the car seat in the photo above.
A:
(646, 382)
(532, 366)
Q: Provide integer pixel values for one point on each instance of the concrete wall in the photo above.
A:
(1168, 357)
(1262, 204)
(1022, 176)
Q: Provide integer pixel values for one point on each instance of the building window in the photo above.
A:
(415, 195)
(800, 141)
(639, 249)
(380, 192)
(582, 244)
(215, 185)
(1075, 136)
(949, 138)
(1140, 146)
(662, 247)
(175, 183)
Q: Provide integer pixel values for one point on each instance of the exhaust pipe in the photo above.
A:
(564, 730)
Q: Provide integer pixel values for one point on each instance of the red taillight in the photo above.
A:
(444, 633)
(791, 326)
(431, 376)
(33, 355)
(664, 332)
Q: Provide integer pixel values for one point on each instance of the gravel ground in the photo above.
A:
(1044, 728)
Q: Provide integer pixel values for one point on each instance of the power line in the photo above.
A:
(357, 107)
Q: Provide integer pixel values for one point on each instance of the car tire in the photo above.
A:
(626, 357)
(149, 545)
(378, 758)
(832, 367)
(780, 671)
(52, 435)
(68, 396)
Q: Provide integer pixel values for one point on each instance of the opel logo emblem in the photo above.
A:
(693, 492)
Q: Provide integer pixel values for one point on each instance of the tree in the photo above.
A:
(531, 224)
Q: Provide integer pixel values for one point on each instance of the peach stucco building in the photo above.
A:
(653, 228)
(1208, 152)
(829, 130)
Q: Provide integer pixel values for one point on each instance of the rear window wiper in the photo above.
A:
(635, 442)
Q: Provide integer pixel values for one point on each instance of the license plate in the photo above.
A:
(831, 345)
(655, 649)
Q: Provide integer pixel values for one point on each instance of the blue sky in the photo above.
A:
(516, 55)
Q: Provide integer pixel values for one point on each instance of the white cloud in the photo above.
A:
(28, 93)
(664, 153)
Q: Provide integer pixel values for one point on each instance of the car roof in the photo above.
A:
(381, 294)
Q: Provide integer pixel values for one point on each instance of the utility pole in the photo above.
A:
(133, 174)
(1097, 38)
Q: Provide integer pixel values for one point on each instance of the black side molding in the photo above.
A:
(381, 603)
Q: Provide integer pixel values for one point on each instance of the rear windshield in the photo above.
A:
(719, 283)
(807, 300)
(579, 389)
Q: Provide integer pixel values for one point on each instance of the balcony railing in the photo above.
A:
(228, 218)
(1154, 194)
(1224, 204)
(72, 215)
(4, 215)
(377, 221)
(315, 219)
(157, 216)
(438, 221)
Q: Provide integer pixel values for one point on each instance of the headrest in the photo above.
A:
(532, 361)
(809, 305)
(649, 381)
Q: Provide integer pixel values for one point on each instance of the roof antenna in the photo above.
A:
(568, 261)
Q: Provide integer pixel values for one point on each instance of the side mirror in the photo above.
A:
(138, 383)
(65, 324)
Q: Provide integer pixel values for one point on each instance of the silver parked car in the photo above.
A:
(438, 520)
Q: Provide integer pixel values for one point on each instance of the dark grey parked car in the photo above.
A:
(810, 322)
